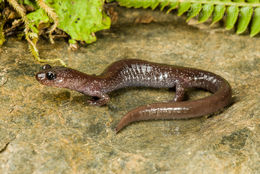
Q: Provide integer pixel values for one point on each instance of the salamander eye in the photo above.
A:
(50, 75)
(47, 66)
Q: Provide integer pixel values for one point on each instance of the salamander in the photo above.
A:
(140, 73)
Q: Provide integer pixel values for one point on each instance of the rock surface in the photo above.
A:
(49, 130)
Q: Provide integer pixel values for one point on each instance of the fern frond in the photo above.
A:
(239, 12)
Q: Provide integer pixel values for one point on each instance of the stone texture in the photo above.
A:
(49, 130)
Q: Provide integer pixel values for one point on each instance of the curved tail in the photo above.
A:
(180, 110)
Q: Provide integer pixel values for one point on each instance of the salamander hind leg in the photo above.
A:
(180, 93)
(99, 100)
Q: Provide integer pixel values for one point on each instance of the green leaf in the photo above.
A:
(163, 5)
(184, 6)
(129, 4)
(232, 15)
(28, 2)
(71, 41)
(142, 4)
(124, 3)
(194, 11)
(244, 19)
(255, 26)
(155, 4)
(173, 5)
(218, 13)
(206, 12)
(81, 19)
(253, 1)
(206, 8)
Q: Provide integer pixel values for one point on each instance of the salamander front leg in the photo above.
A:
(99, 100)
(180, 93)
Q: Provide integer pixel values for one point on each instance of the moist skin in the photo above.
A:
(139, 73)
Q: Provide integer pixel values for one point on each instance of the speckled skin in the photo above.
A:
(132, 72)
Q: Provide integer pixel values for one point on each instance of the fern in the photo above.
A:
(238, 12)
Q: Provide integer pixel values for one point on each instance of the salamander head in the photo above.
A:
(61, 77)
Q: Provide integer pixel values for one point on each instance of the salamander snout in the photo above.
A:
(57, 76)
(46, 76)
(40, 76)
(53, 76)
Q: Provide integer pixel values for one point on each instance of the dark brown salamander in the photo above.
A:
(132, 72)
